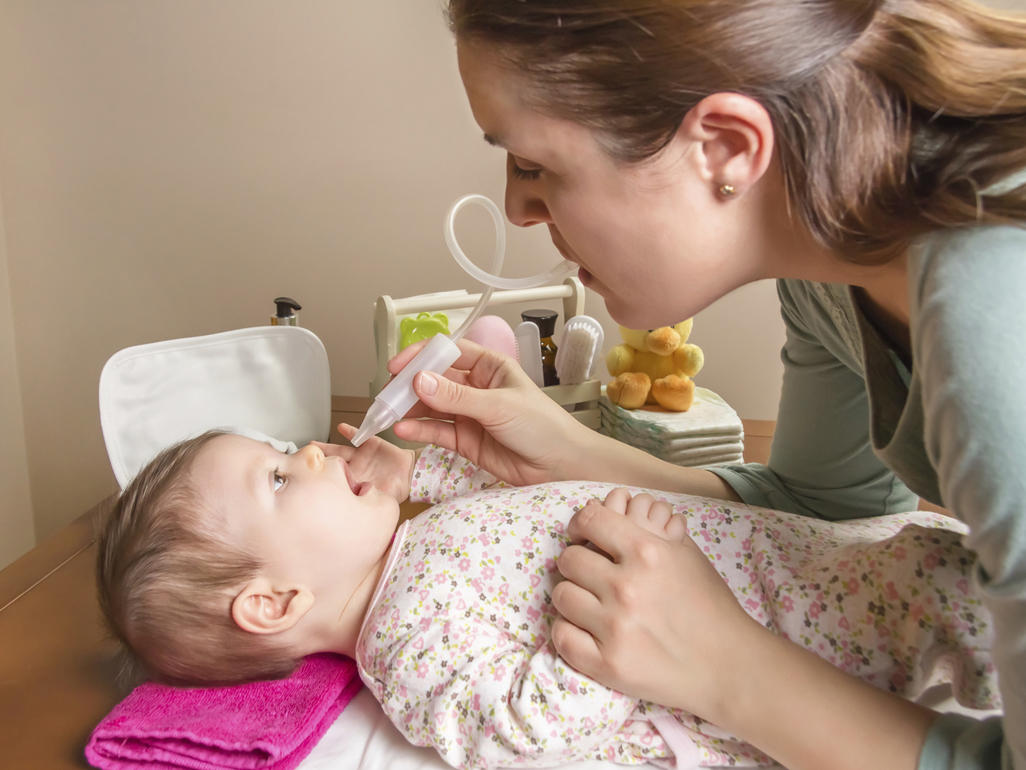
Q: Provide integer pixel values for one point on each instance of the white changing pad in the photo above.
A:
(272, 380)
(362, 738)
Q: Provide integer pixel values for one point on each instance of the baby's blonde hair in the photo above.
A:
(167, 575)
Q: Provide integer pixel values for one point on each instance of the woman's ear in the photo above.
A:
(262, 609)
(734, 137)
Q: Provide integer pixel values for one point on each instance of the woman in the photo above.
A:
(860, 152)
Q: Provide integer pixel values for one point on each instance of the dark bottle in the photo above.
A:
(545, 320)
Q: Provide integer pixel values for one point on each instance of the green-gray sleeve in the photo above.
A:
(821, 461)
(957, 742)
(968, 322)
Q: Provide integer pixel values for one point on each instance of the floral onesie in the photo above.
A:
(455, 645)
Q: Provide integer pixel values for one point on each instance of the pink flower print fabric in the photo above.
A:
(456, 645)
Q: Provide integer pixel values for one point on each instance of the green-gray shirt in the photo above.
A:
(860, 434)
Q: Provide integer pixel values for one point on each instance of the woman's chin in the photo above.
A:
(635, 316)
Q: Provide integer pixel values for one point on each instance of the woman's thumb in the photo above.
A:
(426, 385)
(443, 395)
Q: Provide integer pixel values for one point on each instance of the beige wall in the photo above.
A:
(168, 168)
(16, 525)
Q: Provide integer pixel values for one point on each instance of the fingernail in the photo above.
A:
(428, 384)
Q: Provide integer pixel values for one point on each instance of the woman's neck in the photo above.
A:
(882, 295)
(882, 290)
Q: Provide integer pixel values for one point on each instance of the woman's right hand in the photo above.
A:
(487, 409)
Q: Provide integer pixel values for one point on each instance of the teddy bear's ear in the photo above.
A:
(684, 329)
(634, 337)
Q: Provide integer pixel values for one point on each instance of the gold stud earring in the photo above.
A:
(727, 190)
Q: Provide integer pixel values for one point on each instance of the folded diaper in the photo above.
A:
(710, 433)
(269, 725)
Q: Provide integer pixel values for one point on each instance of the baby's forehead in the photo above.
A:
(229, 445)
(228, 462)
(224, 477)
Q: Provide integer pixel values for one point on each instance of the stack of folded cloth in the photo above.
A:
(268, 725)
(709, 433)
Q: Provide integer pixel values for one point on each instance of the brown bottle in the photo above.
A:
(545, 320)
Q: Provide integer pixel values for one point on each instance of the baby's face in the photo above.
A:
(297, 512)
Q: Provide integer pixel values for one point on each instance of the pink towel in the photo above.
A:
(267, 725)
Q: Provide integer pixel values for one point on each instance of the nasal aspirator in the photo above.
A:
(398, 396)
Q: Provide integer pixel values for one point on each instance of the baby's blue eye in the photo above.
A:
(278, 479)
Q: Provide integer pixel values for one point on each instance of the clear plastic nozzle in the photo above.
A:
(396, 398)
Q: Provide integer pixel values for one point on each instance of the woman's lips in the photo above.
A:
(586, 277)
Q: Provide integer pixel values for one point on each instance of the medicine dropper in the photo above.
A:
(397, 397)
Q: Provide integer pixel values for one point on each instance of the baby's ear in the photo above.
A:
(260, 608)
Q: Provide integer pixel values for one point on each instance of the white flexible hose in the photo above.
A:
(491, 280)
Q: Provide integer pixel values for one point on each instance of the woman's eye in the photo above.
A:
(523, 173)
(278, 480)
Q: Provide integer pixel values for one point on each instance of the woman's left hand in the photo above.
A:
(647, 615)
(376, 462)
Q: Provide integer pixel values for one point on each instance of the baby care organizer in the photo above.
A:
(581, 400)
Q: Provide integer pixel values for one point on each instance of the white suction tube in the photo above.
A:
(397, 397)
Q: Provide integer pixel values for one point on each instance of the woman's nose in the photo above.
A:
(524, 206)
(312, 456)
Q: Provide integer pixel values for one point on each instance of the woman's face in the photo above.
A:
(650, 237)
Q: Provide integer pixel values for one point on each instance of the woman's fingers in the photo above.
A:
(576, 604)
(476, 365)
(404, 356)
(576, 646)
(588, 568)
(650, 514)
(447, 397)
(579, 612)
(346, 430)
(437, 432)
(610, 531)
(618, 500)
(676, 528)
(645, 511)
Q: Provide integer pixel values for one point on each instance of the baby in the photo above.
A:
(228, 561)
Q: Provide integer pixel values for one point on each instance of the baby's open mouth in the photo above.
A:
(354, 486)
(359, 488)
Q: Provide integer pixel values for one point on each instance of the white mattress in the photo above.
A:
(362, 738)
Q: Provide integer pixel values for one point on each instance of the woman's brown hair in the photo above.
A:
(893, 118)
(166, 578)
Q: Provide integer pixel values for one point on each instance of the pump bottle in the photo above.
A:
(284, 312)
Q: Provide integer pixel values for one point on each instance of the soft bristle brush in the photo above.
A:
(579, 349)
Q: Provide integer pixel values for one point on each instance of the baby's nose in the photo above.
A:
(313, 456)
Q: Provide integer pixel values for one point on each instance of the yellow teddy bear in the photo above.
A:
(654, 366)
